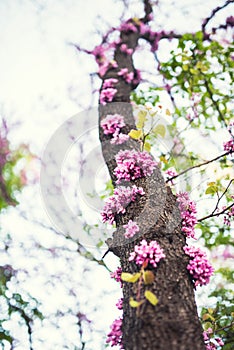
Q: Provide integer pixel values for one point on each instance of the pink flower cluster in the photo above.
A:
(119, 201)
(199, 267)
(131, 228)
(228, 216)
(109, 83)
(119, 138)
(229, 145)
(128, 27)
(111, 125)
(100, 56)
(107, 95)
(210, 345)
(128, 76)
(147, 253)
(117, 274)
(125, 49)
(132, 165)
(119, 304)
(188, 214)
(170, 173)
(115, 335)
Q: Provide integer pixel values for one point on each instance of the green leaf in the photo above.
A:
(207, 325)
(128, 277)
(160, 130)
(135, 134)
(151, 297)
(211, 190)
(134, 303)
(148, 277)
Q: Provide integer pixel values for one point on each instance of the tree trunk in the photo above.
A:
(173, 323)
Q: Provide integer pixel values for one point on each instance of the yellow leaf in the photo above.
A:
(141, 118)
(163, 159)
(210, 183)
(135, 134)
(151, 297)
(208, 316)
(134, 303)
(148, 277)
(168, 112)
(128, 277)
(147, 146)
(160, 130)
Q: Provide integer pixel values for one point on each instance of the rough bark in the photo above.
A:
(173, 323)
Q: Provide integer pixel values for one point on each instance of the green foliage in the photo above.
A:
(12, 175)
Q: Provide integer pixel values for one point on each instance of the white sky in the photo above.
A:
(43, 83)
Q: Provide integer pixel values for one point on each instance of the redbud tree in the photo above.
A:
(156, 221)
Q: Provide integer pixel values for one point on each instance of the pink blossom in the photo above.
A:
(105, 65)
(118, 202)
(171, 173)
(131, 228)
(117, 274)
(111, 123)
(144, 28)
(107, 95)
(228, 216)
(128, 27)
(211, 343)
(188, 214)
(128, 77)
(199, 267)
(147, 253)
(132, 165)
(229, 145)
(99, 53)
(227, 254)
(125, 49)
(119, 138)
(119, 304)
(108, 83)
(115, 335)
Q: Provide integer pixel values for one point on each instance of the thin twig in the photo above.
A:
(213, 13)
(216, 214)
(219, 198)
(198, 166)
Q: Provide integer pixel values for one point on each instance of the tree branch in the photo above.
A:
(213, 13)
(219, 199)
(197, 166)
(216, 214)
